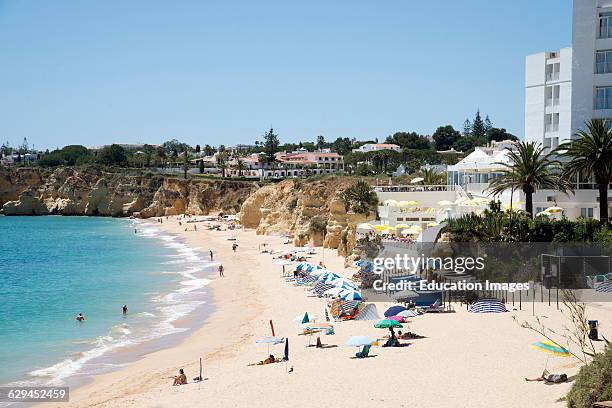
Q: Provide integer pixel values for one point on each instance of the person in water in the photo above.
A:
(180, 379)
(80, 317)
(125, 309)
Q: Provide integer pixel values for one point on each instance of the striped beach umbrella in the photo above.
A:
(549, 347)
(604, 287)
(350, 295)
(487, 306)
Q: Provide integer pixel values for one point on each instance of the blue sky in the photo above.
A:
(222, 72)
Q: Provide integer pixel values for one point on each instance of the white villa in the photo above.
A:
(374, 147)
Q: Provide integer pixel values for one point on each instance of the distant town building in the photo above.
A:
(373, 147)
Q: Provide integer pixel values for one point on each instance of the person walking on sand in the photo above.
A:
(125, 309)
(221, 270)
(234, 246)
(211, 255)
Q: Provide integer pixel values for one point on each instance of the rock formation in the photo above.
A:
(93, 191)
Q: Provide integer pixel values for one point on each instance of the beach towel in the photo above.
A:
(368, 312)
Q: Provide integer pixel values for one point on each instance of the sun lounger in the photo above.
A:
(363, 353)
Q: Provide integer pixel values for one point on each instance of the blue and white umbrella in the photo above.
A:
(328, 276)
(342, 282)
(270, 340)
(350, 295)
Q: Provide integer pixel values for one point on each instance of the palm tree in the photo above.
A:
(432, 178)
(591, 154)
(529, 169)
(186, 162)
(240, 166)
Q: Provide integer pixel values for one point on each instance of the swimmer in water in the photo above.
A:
(80, 317)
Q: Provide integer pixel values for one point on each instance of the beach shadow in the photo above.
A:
(326, 346)
(362, 358)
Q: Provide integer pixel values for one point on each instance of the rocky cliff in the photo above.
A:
(309, 210)
(92, 191)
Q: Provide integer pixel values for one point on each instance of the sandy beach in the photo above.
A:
(464, 359)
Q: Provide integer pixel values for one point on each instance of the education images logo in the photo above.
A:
(460, 265)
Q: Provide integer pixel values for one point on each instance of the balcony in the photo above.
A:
(552, 127)
(552, 76)
(552, 102)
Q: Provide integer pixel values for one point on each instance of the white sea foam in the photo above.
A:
(171, 307)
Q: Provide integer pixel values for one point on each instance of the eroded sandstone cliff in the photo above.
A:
(92, 191)
(309, 211)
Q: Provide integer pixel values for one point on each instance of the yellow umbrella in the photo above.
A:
(380, 227)
(554, 209)
(365, 227)
(412, 202)
(461, 199)
(514, 204)
(544, 213)
(402, 226)
(433, 224)
(390, 203)
(445, 202)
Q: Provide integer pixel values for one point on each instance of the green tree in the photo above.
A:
(467, 128)
(488, 125)
(240, 166)
(271, 144)
(320, 142)
(498, 135)
(478, 127)
(432, 178)
(201, 166)
(529, 169)
(113, 155)
(186, 162)
(342, 145)
(222, 158)
(591, 154)
(445, 136)
(409, 140)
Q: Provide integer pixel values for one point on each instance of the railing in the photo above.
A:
(413, 188)
(552, 76)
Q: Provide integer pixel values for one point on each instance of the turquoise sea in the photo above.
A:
(52, 268)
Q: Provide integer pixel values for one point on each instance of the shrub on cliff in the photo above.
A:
(593, 383)
(359, 198)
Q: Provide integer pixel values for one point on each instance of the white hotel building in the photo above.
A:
(566, 88)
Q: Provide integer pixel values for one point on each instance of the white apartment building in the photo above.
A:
(548, 97)
(566, 88)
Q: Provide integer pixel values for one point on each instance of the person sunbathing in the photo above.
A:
(268, 360)
(180, 379)
(549, 378)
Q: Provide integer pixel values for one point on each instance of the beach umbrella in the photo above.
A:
(350, 295)
(359, 341)
(416, 228)
(432, 224)
(394, 310)
(549, 347)
(270, 340)
(544, 214)
(300, 318)
(445, 203)
(481, 200)
(402, 226)
(317, 272)
(391, 203)
(408, 313)
(387, 324)
(380, 227)
(399, 319)
(342, 282)
(413, 202)
(416, 180)
(316, 326)
(328, 277)
(460, 200)
(335, 291)
(286, 356)
(554, 209)
(365, 227)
